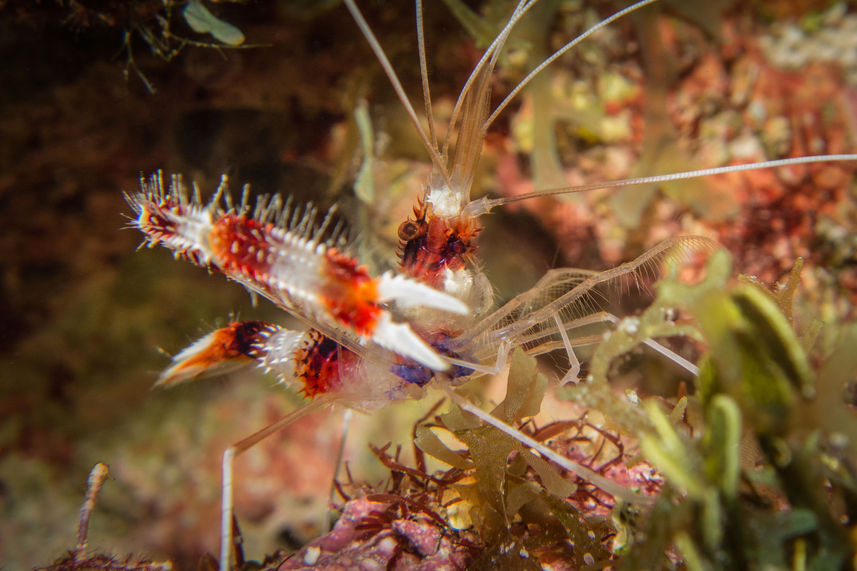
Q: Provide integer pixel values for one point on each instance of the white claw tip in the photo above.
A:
(401, 339)
(408, 292)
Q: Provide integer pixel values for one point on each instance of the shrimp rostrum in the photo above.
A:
(369, 340)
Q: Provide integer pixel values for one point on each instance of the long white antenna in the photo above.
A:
(561, 51)
(421, 45)
(490, 54)
(397, 86)
(483, 205)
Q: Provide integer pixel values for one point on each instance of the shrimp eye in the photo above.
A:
(410, 229)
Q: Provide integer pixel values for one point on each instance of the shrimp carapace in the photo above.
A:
(431, 247)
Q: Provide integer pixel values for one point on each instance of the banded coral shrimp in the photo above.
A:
(254, 250)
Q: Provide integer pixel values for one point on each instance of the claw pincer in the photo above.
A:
(280, 254)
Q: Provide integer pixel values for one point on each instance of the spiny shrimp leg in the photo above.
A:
(279, 252)
(226, 498)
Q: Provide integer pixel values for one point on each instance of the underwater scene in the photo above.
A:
(599, 316)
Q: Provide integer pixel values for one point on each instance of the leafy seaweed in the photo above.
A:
(755, 387)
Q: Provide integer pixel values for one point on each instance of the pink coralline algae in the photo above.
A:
(383, 531)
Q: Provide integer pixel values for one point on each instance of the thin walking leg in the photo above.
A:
(346, 422)
(226, 499)
(573, 372)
